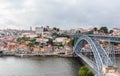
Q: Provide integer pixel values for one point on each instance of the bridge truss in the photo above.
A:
(96, 57)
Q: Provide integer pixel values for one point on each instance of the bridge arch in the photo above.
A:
(97, 56)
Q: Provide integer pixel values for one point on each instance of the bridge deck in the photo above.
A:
(89, 62)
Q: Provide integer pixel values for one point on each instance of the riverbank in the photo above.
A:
(44, 55)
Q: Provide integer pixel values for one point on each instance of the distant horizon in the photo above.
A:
(33, 27)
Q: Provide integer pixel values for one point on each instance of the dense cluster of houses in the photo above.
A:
(43, 39)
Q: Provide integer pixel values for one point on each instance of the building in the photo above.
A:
(30, 28)
(60, 41)
(116, 31)
(28, 34)
(39, 30)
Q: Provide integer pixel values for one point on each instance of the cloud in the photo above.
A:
(65, 14)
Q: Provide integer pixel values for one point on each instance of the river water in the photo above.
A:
(39, 66)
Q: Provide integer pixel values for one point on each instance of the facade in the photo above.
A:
(39, 30)
(116, 31)
(60, 40)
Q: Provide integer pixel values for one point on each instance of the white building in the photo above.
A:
(60, 40)
(116, 31)
(39, 30)
(42, 40)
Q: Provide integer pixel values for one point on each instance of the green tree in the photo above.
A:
(104, 29)
(54, 34)
(50, 41)
(95, 29)
(111, 31)
(54, 28)
(57, 29)
(72, 42)
(85, 68)
(23, 39)
(36, 43)
(115, 43)
(90, 73)
(90, 32)
(19, 39)
(85, 71)
(82, 73)
(78, 32)
(31, 44)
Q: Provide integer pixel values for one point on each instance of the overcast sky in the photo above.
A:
(65, 14)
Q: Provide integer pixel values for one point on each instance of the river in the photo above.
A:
(39, 66)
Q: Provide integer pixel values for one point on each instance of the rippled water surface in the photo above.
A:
(38, 66)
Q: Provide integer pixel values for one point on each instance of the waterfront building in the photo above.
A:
(11, 46)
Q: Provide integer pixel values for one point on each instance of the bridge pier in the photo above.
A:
(111, 71)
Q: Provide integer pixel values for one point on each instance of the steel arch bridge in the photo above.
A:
(101, 58)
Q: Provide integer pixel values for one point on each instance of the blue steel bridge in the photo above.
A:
(97, 57)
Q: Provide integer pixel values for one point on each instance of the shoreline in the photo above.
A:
(62, 56)
(46, 55)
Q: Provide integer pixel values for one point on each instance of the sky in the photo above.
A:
(64, 14)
